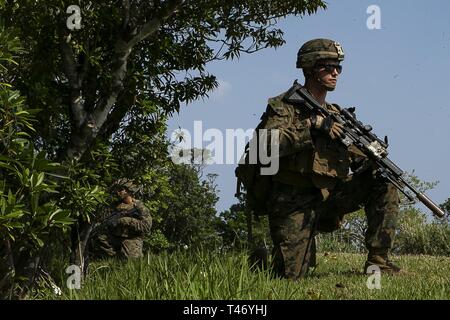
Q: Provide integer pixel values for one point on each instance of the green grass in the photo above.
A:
(204, 275)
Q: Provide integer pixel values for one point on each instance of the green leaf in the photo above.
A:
(40, 179)
(3, 204)
(23, 112)
(54, 214)
(12, 215)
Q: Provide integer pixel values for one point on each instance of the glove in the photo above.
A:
(327, 125)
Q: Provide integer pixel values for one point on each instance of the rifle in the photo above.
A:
(361, 136)
(133, 213)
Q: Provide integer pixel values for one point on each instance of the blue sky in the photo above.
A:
(398, 78)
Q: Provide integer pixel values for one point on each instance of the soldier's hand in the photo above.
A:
(327, 125)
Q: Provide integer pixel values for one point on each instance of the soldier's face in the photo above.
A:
(125, 196)
(327, 73)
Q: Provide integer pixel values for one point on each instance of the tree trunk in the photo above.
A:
(80, 238)
(7, 270)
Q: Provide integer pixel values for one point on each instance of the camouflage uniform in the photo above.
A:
(313, 190)
(122, 232)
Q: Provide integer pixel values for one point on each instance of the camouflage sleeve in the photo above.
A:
(141, 207)
(139, 225)
(135, 226)
(294, 133)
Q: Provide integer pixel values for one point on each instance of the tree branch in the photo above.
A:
(126, 15)
(124, 102)
(76, 99)
(122, 52)
(151, 26)
(82, 138)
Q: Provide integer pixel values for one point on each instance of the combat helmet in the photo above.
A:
(318, 49)
(127, 184)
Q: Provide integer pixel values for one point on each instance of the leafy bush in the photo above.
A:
(232, 227)
(29, 217)
(416, 235)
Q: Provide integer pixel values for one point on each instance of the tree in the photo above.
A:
(234, 225)
(144, 57)
(28, 218)
(190, 213)
(107, 88)
(446, 206)
(130, 66)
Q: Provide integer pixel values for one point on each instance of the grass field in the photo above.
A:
(203, 275)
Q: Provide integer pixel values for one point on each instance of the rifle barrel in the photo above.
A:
(431, 205)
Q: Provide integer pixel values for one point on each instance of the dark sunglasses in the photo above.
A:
(330, 67)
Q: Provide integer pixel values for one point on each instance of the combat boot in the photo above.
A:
(379, 258)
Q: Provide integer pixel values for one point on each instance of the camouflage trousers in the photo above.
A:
(107, 245)
(295, 214)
